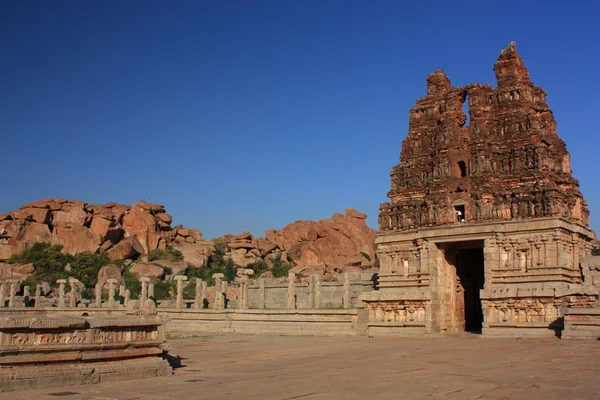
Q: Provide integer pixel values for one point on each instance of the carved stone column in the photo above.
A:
(13, 293)
(291, 300)
(219, 303)
(224, 295)
(26, 296)
(243, 274)
(111, 292)
(122, 295)
(144, 290)
(61, 292)
(98, 294)
(347, 299)
(73, 292)
(180, 279)
(151, 292)
(311, 292)
(2, 292)
(261, 293)
(200, 294)
(38, 293)
(318, 280)
(127, 297)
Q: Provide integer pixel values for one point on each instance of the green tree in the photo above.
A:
(280, 267)
(169, 254)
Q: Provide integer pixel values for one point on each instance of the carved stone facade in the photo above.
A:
(40, 350)
(486, 225)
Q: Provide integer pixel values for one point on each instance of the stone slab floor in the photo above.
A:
(285, 367)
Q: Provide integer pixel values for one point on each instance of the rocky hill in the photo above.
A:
(122, 231)
(343, 243)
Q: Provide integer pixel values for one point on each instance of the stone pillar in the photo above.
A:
(244, 293)
(318, 280)
(219, 304)
(180, 279)
(26, 296)
(224, 295)
(151, 292)
(144, 291)
(98, 293)
(2, 291)
(111, 292)
(311, 292)
(13, 293)
(291, 300)
(347, 298)
(243, 274)
(261, 293)
(38, 293)
(200, 294)
(61, 292)
(127, 297)
(73, 292)
(122, 295)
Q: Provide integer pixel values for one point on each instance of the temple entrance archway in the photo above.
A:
(462, 277)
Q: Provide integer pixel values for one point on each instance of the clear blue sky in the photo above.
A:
(249, 115)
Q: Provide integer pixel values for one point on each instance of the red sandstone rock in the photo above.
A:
(196, 254)
(139, 222)
(177, 268)
(15, 271)
(21, 234)
(149, 270)
(75, 216)
(263, 246)
(110, 271)
(100, 226)
(127, 248)
(76, 239)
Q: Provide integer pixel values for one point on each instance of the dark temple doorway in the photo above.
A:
(468, 278)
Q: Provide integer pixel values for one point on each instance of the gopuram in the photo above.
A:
(486, 225)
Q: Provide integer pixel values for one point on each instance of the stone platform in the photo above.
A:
(44, 351)
(286, 367)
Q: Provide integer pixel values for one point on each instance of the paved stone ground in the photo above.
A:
(278, 367)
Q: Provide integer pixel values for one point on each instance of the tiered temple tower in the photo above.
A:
(486, 224)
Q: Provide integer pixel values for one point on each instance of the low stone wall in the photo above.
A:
(581, 323)
(39, 350)
(278, 322)
(268, 295)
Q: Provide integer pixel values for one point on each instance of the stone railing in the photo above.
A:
(243, 293)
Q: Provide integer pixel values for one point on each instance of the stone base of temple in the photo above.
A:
(581, 323)
(30, 376)
(42, 351)
(497, 279)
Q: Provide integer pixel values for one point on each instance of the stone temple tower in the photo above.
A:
(486, 224)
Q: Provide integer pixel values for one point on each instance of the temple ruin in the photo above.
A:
(486, 225)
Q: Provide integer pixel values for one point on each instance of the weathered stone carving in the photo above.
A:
(486, 226)
(507, 163)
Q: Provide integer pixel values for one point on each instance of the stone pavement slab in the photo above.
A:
(285, 367)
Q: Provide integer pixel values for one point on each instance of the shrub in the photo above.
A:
(189, 291)
(132, 283)
(596, 251)
(169, 254)
(258, 267)
(280, 268)
(161, 290)
(49, 263)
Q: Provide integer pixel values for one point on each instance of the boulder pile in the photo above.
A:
(122, 231)
(343, 243)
